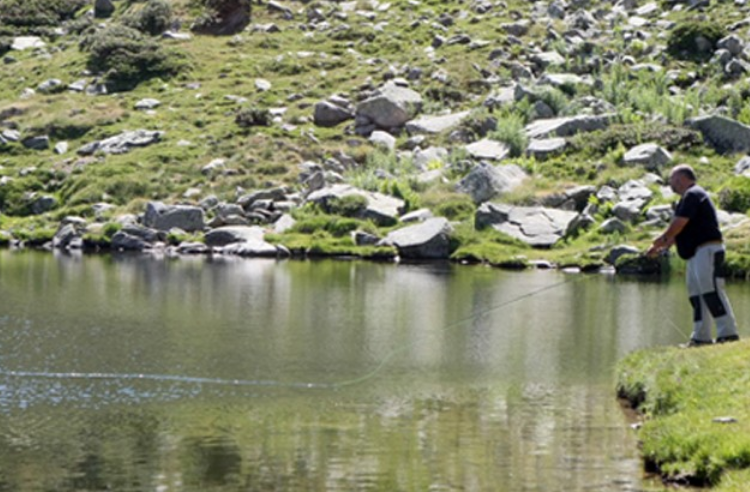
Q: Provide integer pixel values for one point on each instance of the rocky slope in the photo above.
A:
(495, 131)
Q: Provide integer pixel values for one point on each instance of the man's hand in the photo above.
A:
(661, 243)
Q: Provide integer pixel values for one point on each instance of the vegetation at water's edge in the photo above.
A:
(695, 405)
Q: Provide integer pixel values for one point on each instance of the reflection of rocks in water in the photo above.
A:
(213, 463)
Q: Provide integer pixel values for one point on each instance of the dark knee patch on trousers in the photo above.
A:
(696, 302)
(715, 306)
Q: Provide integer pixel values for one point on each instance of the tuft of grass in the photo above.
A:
(680, 394)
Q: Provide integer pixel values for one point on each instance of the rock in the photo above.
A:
(427, 240)
(565, 127)
(122, 143)
(732, 43)
(433, 125)
(619, 251)
(148, 103)
(61, 148)
(231, 17)
(165, 217)
(40, 142)
(488, 149)
(542, 61)
(121, 240)
(221, 236)
(216, 166)
(253, 247)
(743, 166)
(362, 238)
(542, 149)
(536, 226)
(650, 155)
(724, 134)
(580, 222)
(383, 139)
(51, 86)
(613, 225)
(486, 181)
(66, 236)
(638, 264)
(391, 106)
(22, 43)
(263, 85)
(42, 204)
(431, 156)
(284, 224)
(381, 209)
(103, 8)
(327, 114)
(417, 216)
(177, 36)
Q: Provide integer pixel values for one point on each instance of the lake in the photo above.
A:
(133, 373)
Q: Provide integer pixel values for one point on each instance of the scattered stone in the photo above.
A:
(488, 149)
(383, 139)
(433, 125)
(429, 239)
(542, 149)
(122, 143)
(22, 43)
(165, 217)
(381, 209)
(565, 127)
(536, 226)
(103, 9)
(328, 114)
(147, 104)
(391, 106)
(221, 236)
(650, 155)
(40, 142)
(486, 181)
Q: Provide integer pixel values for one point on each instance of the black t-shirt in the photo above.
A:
(702, 226)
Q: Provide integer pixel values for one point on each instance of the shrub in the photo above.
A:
(247, 118)
(128, 57)
(510, 131)
(684, 40)
(456, 208)
(601, 142)
(30, 14)
(154, 18)
(734, 196)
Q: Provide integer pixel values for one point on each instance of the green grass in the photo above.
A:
(680, 393)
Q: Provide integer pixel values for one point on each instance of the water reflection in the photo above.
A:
(426, 377)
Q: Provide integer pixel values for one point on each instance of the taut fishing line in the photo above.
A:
(271, 383)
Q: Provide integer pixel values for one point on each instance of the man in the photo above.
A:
(695, 230)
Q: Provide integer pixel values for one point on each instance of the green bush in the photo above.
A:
(734, 196)
(683, 41)
(627, 136)
(128, 57)
(26, 15)
(250, 117)
(154, 18)
(456, 208)
(510, 131)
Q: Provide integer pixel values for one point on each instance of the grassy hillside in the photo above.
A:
(248, 98)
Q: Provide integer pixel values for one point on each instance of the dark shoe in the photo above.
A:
(696, 343)
(730, 338)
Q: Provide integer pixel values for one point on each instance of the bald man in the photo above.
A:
(695, 230)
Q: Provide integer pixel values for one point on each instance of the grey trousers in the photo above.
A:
(707, 294)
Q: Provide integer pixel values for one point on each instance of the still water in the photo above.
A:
(140, 374)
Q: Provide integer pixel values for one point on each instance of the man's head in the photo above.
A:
(681, 178)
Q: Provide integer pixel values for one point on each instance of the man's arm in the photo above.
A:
(666, 240)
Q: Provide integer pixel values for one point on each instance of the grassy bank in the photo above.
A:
(695, 405)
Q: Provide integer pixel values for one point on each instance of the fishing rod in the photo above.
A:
(207, 381)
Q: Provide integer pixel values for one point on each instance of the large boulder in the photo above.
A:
(381, 209)
(488, 149)
(391, 106)
(427, 240)
(486, 181)
(103, 9)
(165, 217)
(535, 226)
(724, 134)
(565, 127)
(650, 155)
(122, 143)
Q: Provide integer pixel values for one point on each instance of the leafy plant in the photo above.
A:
(734, 196)
(684, 41)
(154, 18)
